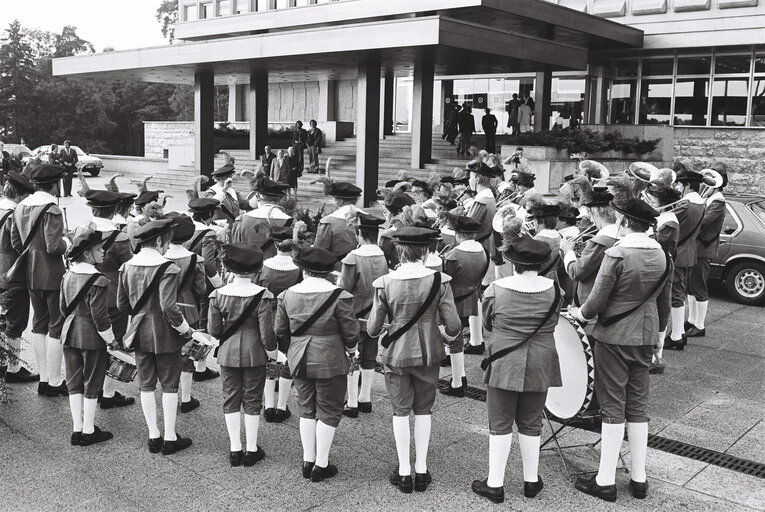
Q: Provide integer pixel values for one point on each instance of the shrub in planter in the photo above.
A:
(577, 140)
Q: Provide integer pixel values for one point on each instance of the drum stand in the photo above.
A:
(558, 433)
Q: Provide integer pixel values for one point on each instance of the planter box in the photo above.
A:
(242, 142)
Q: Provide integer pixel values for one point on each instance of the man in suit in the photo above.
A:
(69, 162)
(315, 140)
(466, 125)
(266, 160)
(489, 123)
(299, 141)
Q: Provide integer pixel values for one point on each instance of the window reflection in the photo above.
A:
(729, 97)
(623, 93)
(655, 101)
(758, 102)
(691, 100)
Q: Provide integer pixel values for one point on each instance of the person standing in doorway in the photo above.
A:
(69, 162)
(299, 141)
(489, 123)
(512, 114)
(315, 140)
(466, 125)
(524, 118)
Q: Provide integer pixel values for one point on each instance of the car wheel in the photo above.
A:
(94, 172)
(746, 283)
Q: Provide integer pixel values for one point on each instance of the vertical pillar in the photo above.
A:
(233, 100)
(258, 112)
(542, 97)
(422, 110)
(204, 124)
(447, 93)
(368, 129)
(388, 103)
(326, 101)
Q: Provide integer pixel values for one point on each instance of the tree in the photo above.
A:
(17, 75)
(167, 16)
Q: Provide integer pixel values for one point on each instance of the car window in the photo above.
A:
(730, 224)
(758, 209)
(78, 151)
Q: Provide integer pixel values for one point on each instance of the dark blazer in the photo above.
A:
(81, 328)
(68, 158)
(299, 136)
(689, 217)
(708, 238)
(315, 137)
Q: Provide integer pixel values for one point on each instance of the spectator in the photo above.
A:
(265, 160)
(512, 114)
(69, 162)
(54, 158)
(489, 123)
(281, 167)
(528, 100)
(5, 164)
(296, 170)
(466, 125)
(299, 141)
(315, 140)
(450, 125)
(524, 118)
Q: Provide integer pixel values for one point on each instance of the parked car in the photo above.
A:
(740, 259)
(85, 162)
(18, 151)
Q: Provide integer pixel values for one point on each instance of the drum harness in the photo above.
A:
(389, 338)
(313, 318)
(233, 327)
(69, 309)
(153, 285)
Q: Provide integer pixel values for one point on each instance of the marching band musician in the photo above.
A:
(567, 222)
(148, 291)
(394, 205)
(317, 328)
(37, 234)
(86, 333)
(630, 299)
(520, 313)
(361, 267)
(253, 226)
(231, 203)
(14, 312)
(143, 214)
(124, 215)
(544, 219)
(333, 233)
(242, 318)
(415, 300)
(524, 185)
(689, 216)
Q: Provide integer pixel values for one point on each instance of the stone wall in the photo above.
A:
(293, 101)
(741, 149)
(160, 135)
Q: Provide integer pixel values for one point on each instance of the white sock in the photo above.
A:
(476, 328)
(169, 413)
(612, 435)
(200, 366)
(499, 451)
(55, 356)
(402, 436)
(75, 405)
(110, 386)
(353, 389)
(251, 424)
(15, 345)
(285, 385)
(701, 313)
(39, 345)
(308, 439)
(367, 378)
(324, 436)
(692, 311)
(638, 437)
(458, 368)
(658, 352)
(233, 425)
(149, 406)
(447, 350)
(678, 321)
(421, 442)
(186, 379)
(89, 416)
(529, 456)
(269, 394)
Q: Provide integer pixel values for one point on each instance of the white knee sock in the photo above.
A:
(110, 386)
(233, 425)
(39, 345)
(447, 350)
(701, 313)
(678, 321)
(55, 356)
(353, 389)
(186, 379)
(612, 435)
(367, 378)
(15, 346)
(638, 437)
(401, 434)
(285, 385)
(149, 406)
(458, 368)
(324, 436)
(692, 310)
(499, 451)
(658, 352)
(476, 328)
(200, 366)
(75, 405)
(169, 413)
(421, 442)
(529, 456)
(89, 415)
(251, 424)
(269, 394)
(308, 439)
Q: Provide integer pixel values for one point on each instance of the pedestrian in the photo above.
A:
(451, 125)
(512, 115)
(466, 125)
(281, 168)
(524, 118)
(296, 170)
(314, 141)
(299, 142)
(334, 232)
(489, 123)
(69, 162)
(5, 163)
(266, 160)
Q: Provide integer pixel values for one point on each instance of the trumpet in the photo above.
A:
(590, 230)
(673, 206)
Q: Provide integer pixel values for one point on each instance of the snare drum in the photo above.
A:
(196, 349)
(121, 366)
(577, 371)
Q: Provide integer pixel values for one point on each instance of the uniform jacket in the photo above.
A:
(160, 323)
(88, 327)
(584, 269)
(8, 254)
(512, 308)
(278, 274)
(44, 262)
(361, 267)
(231, 200)
(204, 243)
(667, 232)
(708, 238)
(194, 288)
(247, 346)
(254, 227)
(689, 218)
(119, 252)
(320, 352)
(335, 235)
(483, 209)
(466, 265)
(551, 264)
(398, 297)
(629, 272)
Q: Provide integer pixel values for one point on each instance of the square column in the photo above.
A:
(204, 124)
(368, 130)
(422, 110)
(258, 113)
(326, 101)
(237, 103)
(542, 98)
(387, 105)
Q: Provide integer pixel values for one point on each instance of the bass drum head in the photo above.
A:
(576, 371)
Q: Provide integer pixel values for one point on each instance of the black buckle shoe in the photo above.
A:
(307, 468)
(42, 389)
(23, 375)
(639, 490)
(250, 458)
(171, 447)
(75, 439)
(422, 481)
(318, 473)
(658, 367)
(155, 444)
(404, 483)
(450, 391)
(235, 458)
(118, 400)
(269, 414)
(365, 407)
(531, 489)
(474, 349)
(54, 391)
(670, 344)
(351, 412)
(281, 415)
(495, 494)
(589, 485)
(207, 374)
(190, 405)
(695, 332)
(98, 436)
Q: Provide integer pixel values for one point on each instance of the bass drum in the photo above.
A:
(577, 371)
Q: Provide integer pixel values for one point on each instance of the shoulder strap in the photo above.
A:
(35, 226)
(198, 239)
(485, 269)
(153, 285)
(692, 232)
(553, 264)
(237, 324)
(391, 337)
(189, 271)
(110, 240)
(502, 353)
(6, 217)
(613, 319)
(80, 295)
(315, 316)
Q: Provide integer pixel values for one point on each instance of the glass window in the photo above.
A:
(206, 10)
(190, 12)
(653, 67)
(691, 97)
(730, 224)
(758, 209)
(758, 102)
(694, 65)
(729, 97)
(655, 101)
(725, 64)
(759, 63)
(241, 6)
(224, 7)
(623, 94)
(567, 102)
(626, 67)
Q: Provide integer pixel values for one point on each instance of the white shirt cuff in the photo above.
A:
(107, 335)
(272, 354)
(216, 281)
(67, 242)
(570, 257)
(183, 328)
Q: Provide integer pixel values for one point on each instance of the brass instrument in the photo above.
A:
(673, 206)
(712, 181)
(590, 230)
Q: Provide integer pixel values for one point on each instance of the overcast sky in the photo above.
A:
(122, 24)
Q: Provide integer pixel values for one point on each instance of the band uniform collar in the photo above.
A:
(694, 197)
(470, 246)
(39, 198)
(368, 250)
(638, 241)
(81, 267)
(104, 225)
(177, 251)
(525, 283)
(717, 196)
(313, 285)
(666, 217)
(7, 204)
(147, 257)
(240, 287)
(281, 262)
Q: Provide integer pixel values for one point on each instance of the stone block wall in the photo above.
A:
(293, 101)
(741, 149)
(160, 135)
